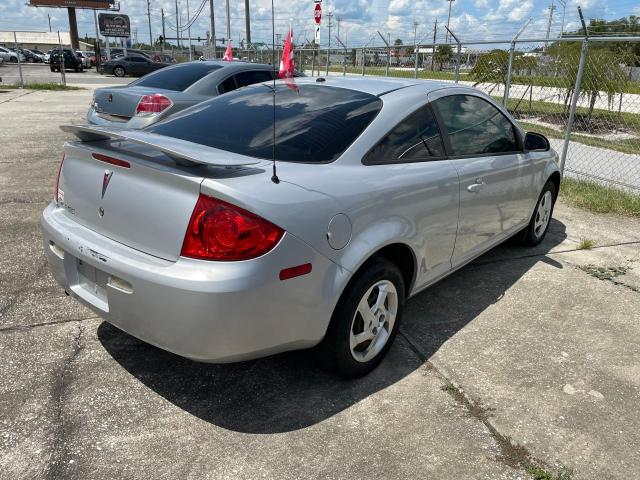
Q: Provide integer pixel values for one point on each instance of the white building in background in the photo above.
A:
(40, 40)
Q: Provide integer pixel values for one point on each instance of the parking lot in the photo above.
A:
(41, 73)
(525, 358)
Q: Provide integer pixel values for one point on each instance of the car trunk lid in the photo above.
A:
(121, 101)
(135, 193)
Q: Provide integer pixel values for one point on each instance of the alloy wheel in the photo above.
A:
(373, 321)
(543, 214)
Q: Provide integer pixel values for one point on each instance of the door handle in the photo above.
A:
(476, 187)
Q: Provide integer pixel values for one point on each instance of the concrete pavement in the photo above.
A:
(521, 358)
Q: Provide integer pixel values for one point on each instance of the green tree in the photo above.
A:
(444, 54)
(491, 67)
(603, 73)
(397, 41)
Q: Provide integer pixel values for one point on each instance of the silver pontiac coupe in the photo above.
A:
(220, 237)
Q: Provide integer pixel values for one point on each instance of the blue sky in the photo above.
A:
(470, 19)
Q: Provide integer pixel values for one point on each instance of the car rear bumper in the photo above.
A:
(207, 311)
(105, 120)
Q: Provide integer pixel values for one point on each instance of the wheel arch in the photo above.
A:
(555, 178)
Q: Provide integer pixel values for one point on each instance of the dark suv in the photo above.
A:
(71, 60)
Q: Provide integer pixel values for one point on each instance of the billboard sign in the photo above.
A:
(97, 4)
(114, 25)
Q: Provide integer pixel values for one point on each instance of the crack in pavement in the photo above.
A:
(20, 328)
(512, 454)
(17, 96)
(60, 453)
(557, 252)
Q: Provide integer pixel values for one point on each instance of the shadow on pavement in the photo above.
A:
(289, 391)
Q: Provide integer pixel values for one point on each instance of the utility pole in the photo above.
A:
(564, 6)
(415, 49)
(338, 20)
(551, 9)
(329, 16)
(247, 22)
(98, 52)
(149, 18)
(213, 28)
(228, 22)
(177, 25)
(49, 16)
(446, 37)
(433, 47)
(189, 31)
(277, 46)
(164, 36)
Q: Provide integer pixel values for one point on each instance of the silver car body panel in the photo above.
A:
(227, 311)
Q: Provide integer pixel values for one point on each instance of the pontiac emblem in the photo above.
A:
(105, 181)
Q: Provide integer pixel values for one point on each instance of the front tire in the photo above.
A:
(119, 72)
(365, 321)
(541, 218)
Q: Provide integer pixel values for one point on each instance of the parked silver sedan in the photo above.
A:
(165, 92)
(187, 235)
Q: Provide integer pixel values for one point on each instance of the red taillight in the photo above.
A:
(221, 231)
(150, 104)
(58, 195)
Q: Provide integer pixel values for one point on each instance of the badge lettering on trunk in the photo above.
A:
(105, 181)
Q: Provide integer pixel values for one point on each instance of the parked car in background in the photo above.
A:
(47, 56)
(12, 54)
(86, 62)
(40, 53)
(164, 58)
(31, 57)
(157, 95)
(71, 60)
(119, 52)
(5, 55)
(92, 57)
(133, 65)
(181, 235)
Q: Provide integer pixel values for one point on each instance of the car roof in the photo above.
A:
(372, 85)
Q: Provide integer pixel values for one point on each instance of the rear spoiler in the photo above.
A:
(181, 151)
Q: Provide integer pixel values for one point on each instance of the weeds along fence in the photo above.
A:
(582, 93)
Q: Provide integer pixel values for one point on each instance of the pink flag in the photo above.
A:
(228, 54)
(287, 62)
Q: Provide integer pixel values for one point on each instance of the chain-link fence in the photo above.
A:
(583, 94)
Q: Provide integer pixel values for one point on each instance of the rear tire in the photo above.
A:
(119, 72)
(541, 218)
(52, 69)
(365, 321)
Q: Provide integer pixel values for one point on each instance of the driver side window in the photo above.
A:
(475, 127)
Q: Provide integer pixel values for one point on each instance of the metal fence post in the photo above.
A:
(61, 56)
(15, 40)
(386, 68)
(512, 50)
(364, 59)
(458, 55)
(344, 59)
(576, 94)
(415, 61)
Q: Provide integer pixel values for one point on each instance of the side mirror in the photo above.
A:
(536, 142)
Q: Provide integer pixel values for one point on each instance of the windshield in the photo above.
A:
(314, 124)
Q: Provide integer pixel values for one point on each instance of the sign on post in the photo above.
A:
(317, 17)
(114, 25)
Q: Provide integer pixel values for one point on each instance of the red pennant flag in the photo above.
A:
(228, 54)
(287, 62)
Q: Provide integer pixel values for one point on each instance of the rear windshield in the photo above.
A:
(314, 124)
(177, 78)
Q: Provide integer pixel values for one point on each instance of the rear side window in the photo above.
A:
(475, 127)
(177, 78)
(415, 139)
(244, 79)
(228, 85)
(314, 123)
